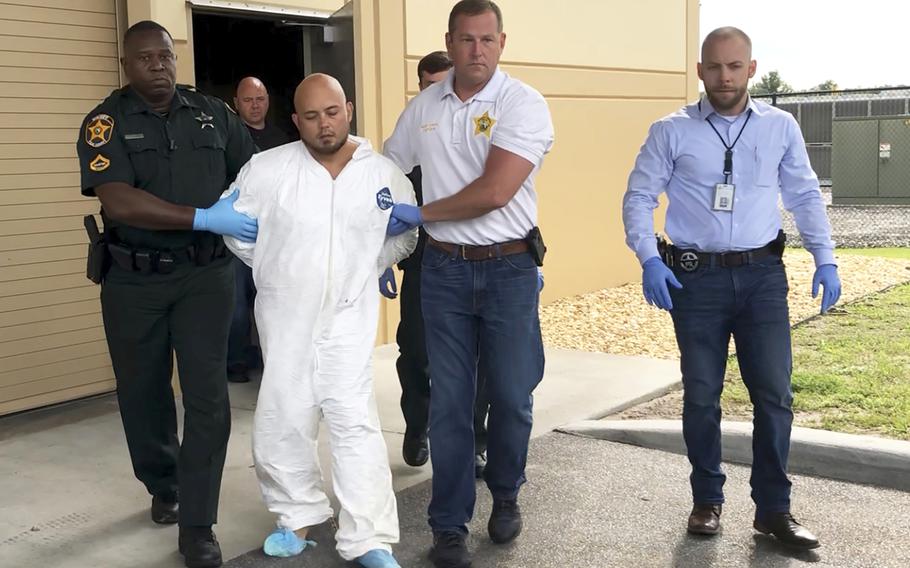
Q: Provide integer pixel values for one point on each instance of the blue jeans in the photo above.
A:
(750, 303)
(484, 310)
(242, 354)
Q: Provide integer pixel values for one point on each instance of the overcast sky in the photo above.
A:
(857, 44)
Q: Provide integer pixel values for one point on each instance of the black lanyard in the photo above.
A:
(728, 155)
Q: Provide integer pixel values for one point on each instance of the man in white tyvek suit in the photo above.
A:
(323, 204)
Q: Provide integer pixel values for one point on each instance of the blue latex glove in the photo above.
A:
(396, 227)
(221, 218)
(404, 217)
(539, 280)
(826, 275)
(387, 285)
(654, 279)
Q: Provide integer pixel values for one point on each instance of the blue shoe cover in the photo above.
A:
(284, 543)
(378, 558)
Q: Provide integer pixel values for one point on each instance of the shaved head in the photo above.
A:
(726, 33)
(322, 113)
(252, 102)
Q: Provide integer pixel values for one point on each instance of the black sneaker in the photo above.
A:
(199, 547)
(449, 550)
(505, 521)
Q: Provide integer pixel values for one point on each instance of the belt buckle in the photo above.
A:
(464, 251)
(688, 261)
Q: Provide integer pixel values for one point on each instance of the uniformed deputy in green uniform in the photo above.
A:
(158, 157)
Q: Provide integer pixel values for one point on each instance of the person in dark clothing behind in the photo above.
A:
(252, 103)
(158, 156)
(412, 364)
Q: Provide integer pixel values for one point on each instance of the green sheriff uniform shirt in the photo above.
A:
(187, 157)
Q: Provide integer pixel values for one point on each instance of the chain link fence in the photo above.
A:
(858, 142)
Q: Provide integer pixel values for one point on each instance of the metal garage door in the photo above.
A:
(58, 59)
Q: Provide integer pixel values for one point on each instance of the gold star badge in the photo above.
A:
(483, 124)
(99, 164)
(98, 130)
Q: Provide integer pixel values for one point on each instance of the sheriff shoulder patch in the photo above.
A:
(99, 164)
(98, 130)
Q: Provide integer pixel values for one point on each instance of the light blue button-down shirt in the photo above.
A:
(685, 157)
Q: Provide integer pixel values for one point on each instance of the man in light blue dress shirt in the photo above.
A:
(723, 163)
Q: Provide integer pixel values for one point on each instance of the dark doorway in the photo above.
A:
(227, 48)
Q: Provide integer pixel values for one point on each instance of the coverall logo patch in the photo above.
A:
(384, 198)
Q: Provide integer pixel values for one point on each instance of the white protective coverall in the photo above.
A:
(316, 261)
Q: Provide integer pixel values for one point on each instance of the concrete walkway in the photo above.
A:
(69, 498)
(595, 504)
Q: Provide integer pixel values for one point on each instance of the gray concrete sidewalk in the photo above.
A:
(595, 504)
(69, 498)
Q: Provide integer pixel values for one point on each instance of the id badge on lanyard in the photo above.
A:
(724, 193)
(723, 196)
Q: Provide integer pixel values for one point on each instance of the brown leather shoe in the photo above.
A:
(705, 519)
(785, 528)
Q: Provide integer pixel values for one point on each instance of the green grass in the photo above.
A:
(851, 371)
(883, 252)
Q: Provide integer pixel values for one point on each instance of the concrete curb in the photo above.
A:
(833, 455)
(627, 404)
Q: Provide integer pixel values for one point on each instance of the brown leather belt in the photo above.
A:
(481, 252)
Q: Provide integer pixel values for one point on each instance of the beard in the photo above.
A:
(326, 150)
(738, 97)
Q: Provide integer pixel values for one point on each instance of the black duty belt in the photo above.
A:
(149, 261)
(689, 260)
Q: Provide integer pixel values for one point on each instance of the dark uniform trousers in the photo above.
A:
(146, 316)
(414, 367)
(750, 303)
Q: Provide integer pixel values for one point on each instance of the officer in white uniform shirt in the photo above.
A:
(480, 137)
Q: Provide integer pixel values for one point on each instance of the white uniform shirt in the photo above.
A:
(450, 141)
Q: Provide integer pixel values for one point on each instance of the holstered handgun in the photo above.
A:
(98, 260)
(664, 250)
(536, 246)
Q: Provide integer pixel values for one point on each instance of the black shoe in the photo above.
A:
(449, 550)
(165, 508)
(505, 521)
(237, 374)
(415, 450)
(480, 464)
(199, 547)
(789, 532)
